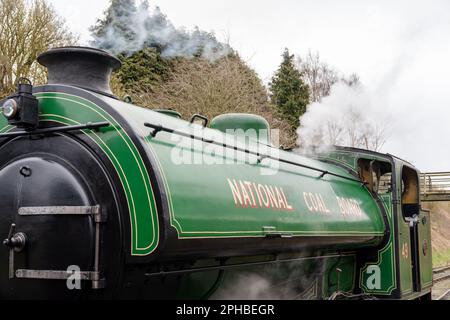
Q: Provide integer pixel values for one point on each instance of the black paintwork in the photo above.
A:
(80, 66)
(63, 173)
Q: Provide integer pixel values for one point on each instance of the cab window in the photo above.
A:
(410, 192)
(377, 175)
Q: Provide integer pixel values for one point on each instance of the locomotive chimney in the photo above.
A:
(83, 67)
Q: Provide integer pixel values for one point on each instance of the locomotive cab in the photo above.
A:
(401, 268)
(416, 249)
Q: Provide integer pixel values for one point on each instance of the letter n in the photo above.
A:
(235, 191)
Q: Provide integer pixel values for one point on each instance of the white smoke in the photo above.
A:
(406, 85)
(134, 28)
(350, 116)
(285, 281)
(248, 286)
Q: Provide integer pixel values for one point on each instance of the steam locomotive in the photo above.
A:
(102, 199)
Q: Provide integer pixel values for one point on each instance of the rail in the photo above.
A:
(436, 182)
(444, 296)
(435, 186)
(441, 274)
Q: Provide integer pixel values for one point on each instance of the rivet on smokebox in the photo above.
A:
(25, 171)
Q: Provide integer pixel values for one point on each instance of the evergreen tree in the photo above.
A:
(288, 91)
(116, 26)
(144, 69)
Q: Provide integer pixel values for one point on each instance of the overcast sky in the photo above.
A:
(404, 45)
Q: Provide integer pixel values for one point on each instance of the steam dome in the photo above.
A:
(242, 122)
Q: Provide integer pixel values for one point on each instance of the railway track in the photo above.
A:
(441, 274)
(441, 288)
(444, 296)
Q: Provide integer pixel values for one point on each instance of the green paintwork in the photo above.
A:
(201, 202)
(303, 279)
(202, 205)
(425, 250)
(405, 246)
(239, 123)
(399, 245)
(170, 113)
(385, 261)
(339, 276)
(294, 280)
(117, 145)
(385, 257)
(404, 250)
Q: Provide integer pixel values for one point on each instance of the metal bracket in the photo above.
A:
(53, 274)
(412, 221)
(261, 159)
(271, 232)
(323, 174)
(91, 126)
(204, 119)
(94, 211)
(93, 276)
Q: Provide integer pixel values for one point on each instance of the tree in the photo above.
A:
(321, 77)
(352, 80)
(318, 75)
(143, 69)
(339, 110)
(26, 30)
(289, 93)
(199, 86)
(127, 29)
(116, 26)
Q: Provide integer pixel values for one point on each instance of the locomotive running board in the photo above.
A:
(93, 276)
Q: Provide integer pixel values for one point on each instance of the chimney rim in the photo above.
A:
(46, 58)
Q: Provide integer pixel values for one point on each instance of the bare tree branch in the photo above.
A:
(211, 89)
(27, 28)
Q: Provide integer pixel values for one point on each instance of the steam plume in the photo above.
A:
(129, 29)
(350, 116)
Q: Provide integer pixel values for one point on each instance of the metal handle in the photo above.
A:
(16, 242)
(7, 241)
(199, 116)
(413, 221)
